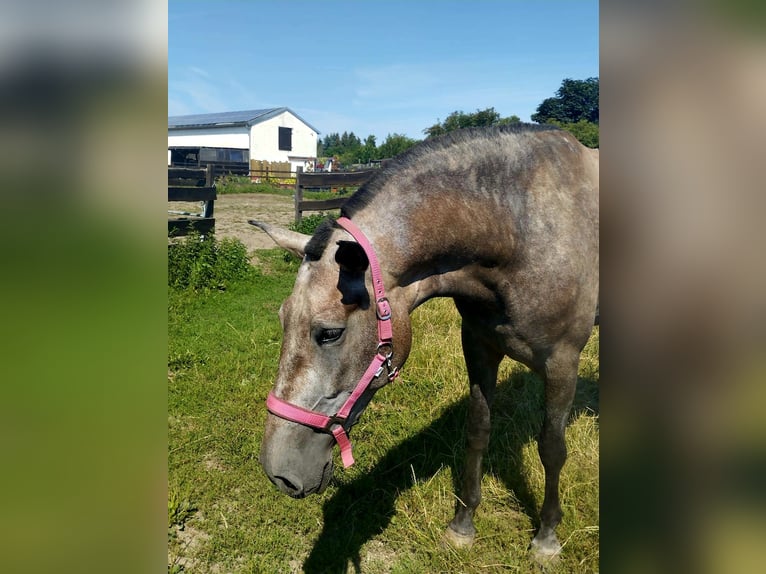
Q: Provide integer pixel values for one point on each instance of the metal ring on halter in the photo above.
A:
(383, 345)
(331, 422)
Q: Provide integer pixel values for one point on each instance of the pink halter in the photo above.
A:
(333, 424)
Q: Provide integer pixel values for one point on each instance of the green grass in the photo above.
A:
(231, 184)
(209, 263)
(387, 513)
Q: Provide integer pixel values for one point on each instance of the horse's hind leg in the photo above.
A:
(482, 373)
(560, 382)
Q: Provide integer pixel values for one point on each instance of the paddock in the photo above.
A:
(388, 512)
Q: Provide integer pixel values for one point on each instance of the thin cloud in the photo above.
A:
(198, 90)
(198, 71)
(432, 91)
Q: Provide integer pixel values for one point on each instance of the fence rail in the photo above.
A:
(319, 180)
(280, 173)
(193, 185)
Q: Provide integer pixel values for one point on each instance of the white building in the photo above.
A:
(274, 134)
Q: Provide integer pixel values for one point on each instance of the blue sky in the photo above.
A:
(376, 67)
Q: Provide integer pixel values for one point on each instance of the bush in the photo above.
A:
(309, 223)
(586, 132)
(229, 184)
(206, 263)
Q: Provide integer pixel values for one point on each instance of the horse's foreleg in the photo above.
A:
(482, 373)
(560, 383)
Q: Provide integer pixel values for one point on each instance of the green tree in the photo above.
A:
(586, 132)
(350, 148)
(331, 144)
(349, 142)
(346, 147)
(575, 100)
(574, 108)
(395, 144)
(369, 150)
(514, 119)
(459, 119)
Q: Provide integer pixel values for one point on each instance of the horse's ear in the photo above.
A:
(293, 241)
(351, 256)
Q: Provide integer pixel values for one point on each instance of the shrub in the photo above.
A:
(206, 263)
(229, 184)
(309, 223)
(586, 132)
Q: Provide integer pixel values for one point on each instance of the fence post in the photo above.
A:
(209, 182)
(298, 193)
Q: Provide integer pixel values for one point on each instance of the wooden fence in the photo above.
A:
(193, 185)
(322, 179)
(270, 170)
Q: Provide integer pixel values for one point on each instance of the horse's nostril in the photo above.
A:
(291, 487)
(286, 482)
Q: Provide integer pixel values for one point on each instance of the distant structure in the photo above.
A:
(232, 139)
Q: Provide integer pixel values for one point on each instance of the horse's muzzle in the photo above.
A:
(291, 483)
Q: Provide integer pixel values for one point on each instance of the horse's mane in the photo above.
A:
(318, 243)
(367, 192)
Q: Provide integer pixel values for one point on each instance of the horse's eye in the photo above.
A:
(327, 336)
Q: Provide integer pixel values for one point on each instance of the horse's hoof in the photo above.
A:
(458, 540)
(545, 552)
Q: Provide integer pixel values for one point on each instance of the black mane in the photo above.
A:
(318, 242)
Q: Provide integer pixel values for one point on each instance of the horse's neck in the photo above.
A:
(431, 252)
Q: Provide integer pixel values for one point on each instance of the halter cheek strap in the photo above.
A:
(335, 424)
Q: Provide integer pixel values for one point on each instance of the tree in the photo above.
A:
(575, 100)
(395, 144)
(459, 119)
(349, 142)
(345, 147)
(350, 146)
(369, 151)
(574, 108)
(331, 144)
(586, 132)
(514, 119)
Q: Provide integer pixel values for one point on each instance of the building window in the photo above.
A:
(237, 155)
(207, 154)
(286, 139)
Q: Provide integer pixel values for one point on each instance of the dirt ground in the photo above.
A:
(232, 211)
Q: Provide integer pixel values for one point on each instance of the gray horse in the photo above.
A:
(504, 221)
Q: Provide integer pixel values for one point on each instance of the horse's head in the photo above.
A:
(331, 335)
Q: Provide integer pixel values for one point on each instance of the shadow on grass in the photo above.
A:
(364, 507)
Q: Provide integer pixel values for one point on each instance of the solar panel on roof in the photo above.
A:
(217, 118)
(228, 118)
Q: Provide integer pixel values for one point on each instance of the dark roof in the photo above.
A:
(243, 118)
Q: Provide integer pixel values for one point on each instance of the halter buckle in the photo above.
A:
(383, 309)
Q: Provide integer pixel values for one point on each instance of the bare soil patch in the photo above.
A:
(232, 211)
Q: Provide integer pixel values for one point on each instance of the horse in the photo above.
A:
(502, 220)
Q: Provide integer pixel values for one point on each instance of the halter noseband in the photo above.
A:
(334, 424)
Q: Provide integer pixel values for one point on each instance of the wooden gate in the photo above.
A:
(192, 185)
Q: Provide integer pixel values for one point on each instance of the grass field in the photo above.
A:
(231, 184)
(387, 513)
